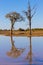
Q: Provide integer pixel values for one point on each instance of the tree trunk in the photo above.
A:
(11, 30)
(30, 24)
(30, 27)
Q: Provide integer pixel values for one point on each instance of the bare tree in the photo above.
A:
(14, 17)
(29, 14)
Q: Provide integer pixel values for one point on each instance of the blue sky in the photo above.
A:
(7, 6)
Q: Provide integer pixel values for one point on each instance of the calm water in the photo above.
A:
(21, 50)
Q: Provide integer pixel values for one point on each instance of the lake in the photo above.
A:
(21, 50)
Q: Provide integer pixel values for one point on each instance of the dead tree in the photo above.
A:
(29, 14)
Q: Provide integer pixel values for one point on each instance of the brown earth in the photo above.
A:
(21, 33)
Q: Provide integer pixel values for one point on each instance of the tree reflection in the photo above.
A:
(14, 52)
(29, 55)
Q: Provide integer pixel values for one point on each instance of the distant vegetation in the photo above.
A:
(20, 29)
(37, 29)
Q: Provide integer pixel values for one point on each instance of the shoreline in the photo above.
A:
(22, 33)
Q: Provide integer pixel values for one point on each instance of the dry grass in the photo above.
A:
(22, 33)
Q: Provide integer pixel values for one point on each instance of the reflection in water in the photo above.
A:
(27, 58)
(29, 55)
(14, 52)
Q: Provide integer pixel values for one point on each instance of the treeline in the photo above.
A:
(20, 29)
(37, 29)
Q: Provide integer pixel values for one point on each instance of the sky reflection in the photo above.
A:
(26, 50)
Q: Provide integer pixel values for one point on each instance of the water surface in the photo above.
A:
(21, 50)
